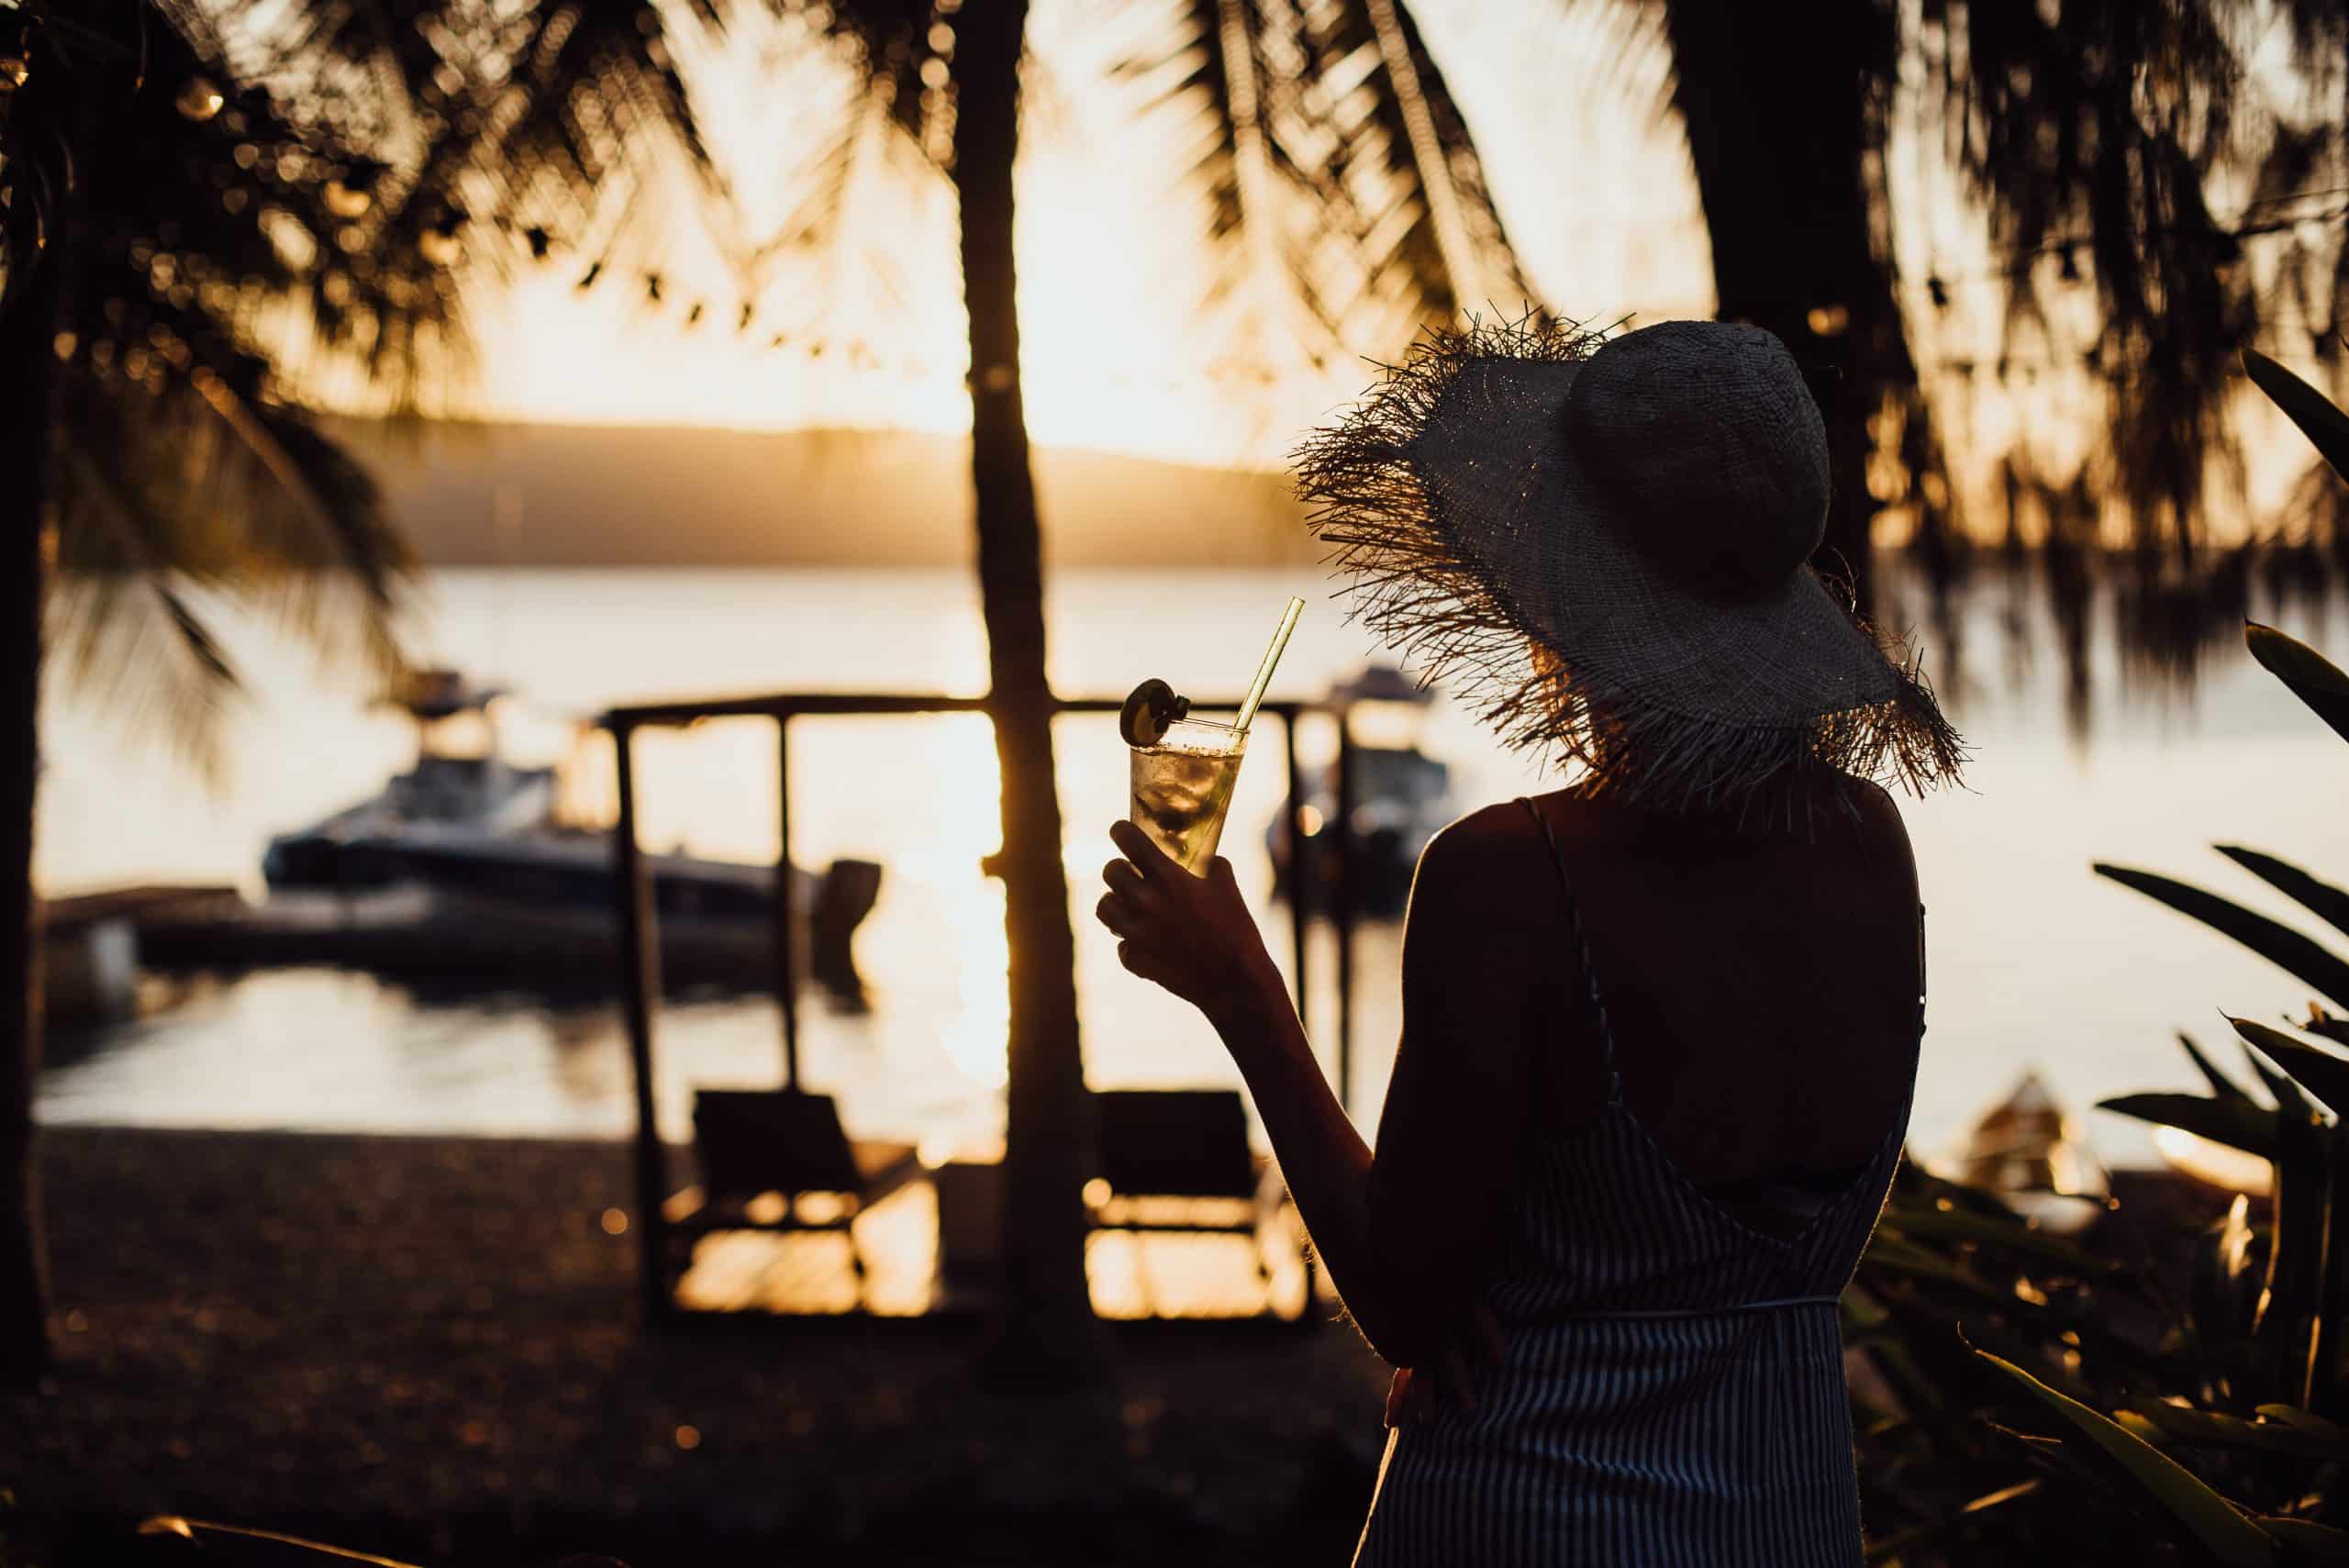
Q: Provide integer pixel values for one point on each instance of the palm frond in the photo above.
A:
(272, 200)
(181, 495)
(1334, 159)
(137, 646)
(1345, 208)
(2095, 136)
(377, 160)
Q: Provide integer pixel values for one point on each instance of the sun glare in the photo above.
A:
(1120, 348)
(941, 867)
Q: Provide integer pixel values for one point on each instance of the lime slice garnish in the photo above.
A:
(1149, 709)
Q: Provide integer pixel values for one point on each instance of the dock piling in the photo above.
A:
(639, 984)
(786, 895)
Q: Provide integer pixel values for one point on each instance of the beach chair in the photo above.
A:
(762, 1151)
(1158, 1145)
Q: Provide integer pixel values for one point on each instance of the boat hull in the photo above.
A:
(440, 936)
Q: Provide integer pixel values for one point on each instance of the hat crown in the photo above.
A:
(1710, 444)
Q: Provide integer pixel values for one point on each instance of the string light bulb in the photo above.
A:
(347, 201)
(198, 99)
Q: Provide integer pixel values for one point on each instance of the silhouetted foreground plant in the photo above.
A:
(232, 1546)
(2031, 1398)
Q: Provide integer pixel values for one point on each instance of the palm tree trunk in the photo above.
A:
(1046, 1329)
(27, 368)
(1783, 118)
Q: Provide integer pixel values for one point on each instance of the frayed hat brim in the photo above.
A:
(1452, 500)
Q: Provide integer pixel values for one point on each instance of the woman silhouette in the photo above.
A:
(1660, 1027)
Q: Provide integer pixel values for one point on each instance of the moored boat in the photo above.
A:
(1401, 796)
(2029, 1151)
(506, 883)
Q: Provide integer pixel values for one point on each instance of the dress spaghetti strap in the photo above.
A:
(1582, 954)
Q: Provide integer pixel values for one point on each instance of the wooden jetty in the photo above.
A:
(779, 1264)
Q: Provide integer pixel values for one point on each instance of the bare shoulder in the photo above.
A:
(1485, 859)
(1882, 829)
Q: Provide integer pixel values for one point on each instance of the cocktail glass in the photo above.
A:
(1182, 787)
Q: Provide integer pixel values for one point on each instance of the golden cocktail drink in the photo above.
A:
(1182, 787)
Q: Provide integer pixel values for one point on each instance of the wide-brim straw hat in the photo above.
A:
(1640, 508)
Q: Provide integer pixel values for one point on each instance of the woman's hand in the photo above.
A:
(1191, 934)
(1473, 1346)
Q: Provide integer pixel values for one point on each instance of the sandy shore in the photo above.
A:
(427, 1347)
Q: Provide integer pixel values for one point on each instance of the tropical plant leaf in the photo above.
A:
(2321, 1543)
(2301, 1420)
(1861, 1313)
(2213, 1427)
(259, 1547)
(2224, 1284)
(2203, 1514)
(2287, 1327)
(2314, 679)
(1896, 1546)
(2272, 939)
(1926, 1223)
(2003, 1495)
(2237, 1124)
(2291, 1101)
(2227, 1087)
(2323, 898)
(2322, 1074)
(2330, 1025)
(2325, 425)
(1891, 1251)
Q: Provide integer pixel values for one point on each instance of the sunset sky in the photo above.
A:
(1596, 189)
(1568, 109)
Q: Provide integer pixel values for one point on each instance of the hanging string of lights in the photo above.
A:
(1937, 286)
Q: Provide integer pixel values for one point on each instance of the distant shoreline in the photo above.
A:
(471, 493)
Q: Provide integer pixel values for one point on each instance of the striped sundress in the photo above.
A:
(1672, 1390)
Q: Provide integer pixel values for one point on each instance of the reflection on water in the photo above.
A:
(963, 808)
(2033, 959)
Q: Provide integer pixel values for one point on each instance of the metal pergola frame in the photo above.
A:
(638, 936)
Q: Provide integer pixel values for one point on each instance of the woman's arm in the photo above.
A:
(1400, 1233)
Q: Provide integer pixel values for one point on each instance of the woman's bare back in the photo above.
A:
(1761, 989)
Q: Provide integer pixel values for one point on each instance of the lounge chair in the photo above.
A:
(1158, 1144)
(762, 1149)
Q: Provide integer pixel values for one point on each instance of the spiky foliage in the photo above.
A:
(2202, 1422)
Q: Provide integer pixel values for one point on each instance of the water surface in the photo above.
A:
(2035, 962)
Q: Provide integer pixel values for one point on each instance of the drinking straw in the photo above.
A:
(1264, 670)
